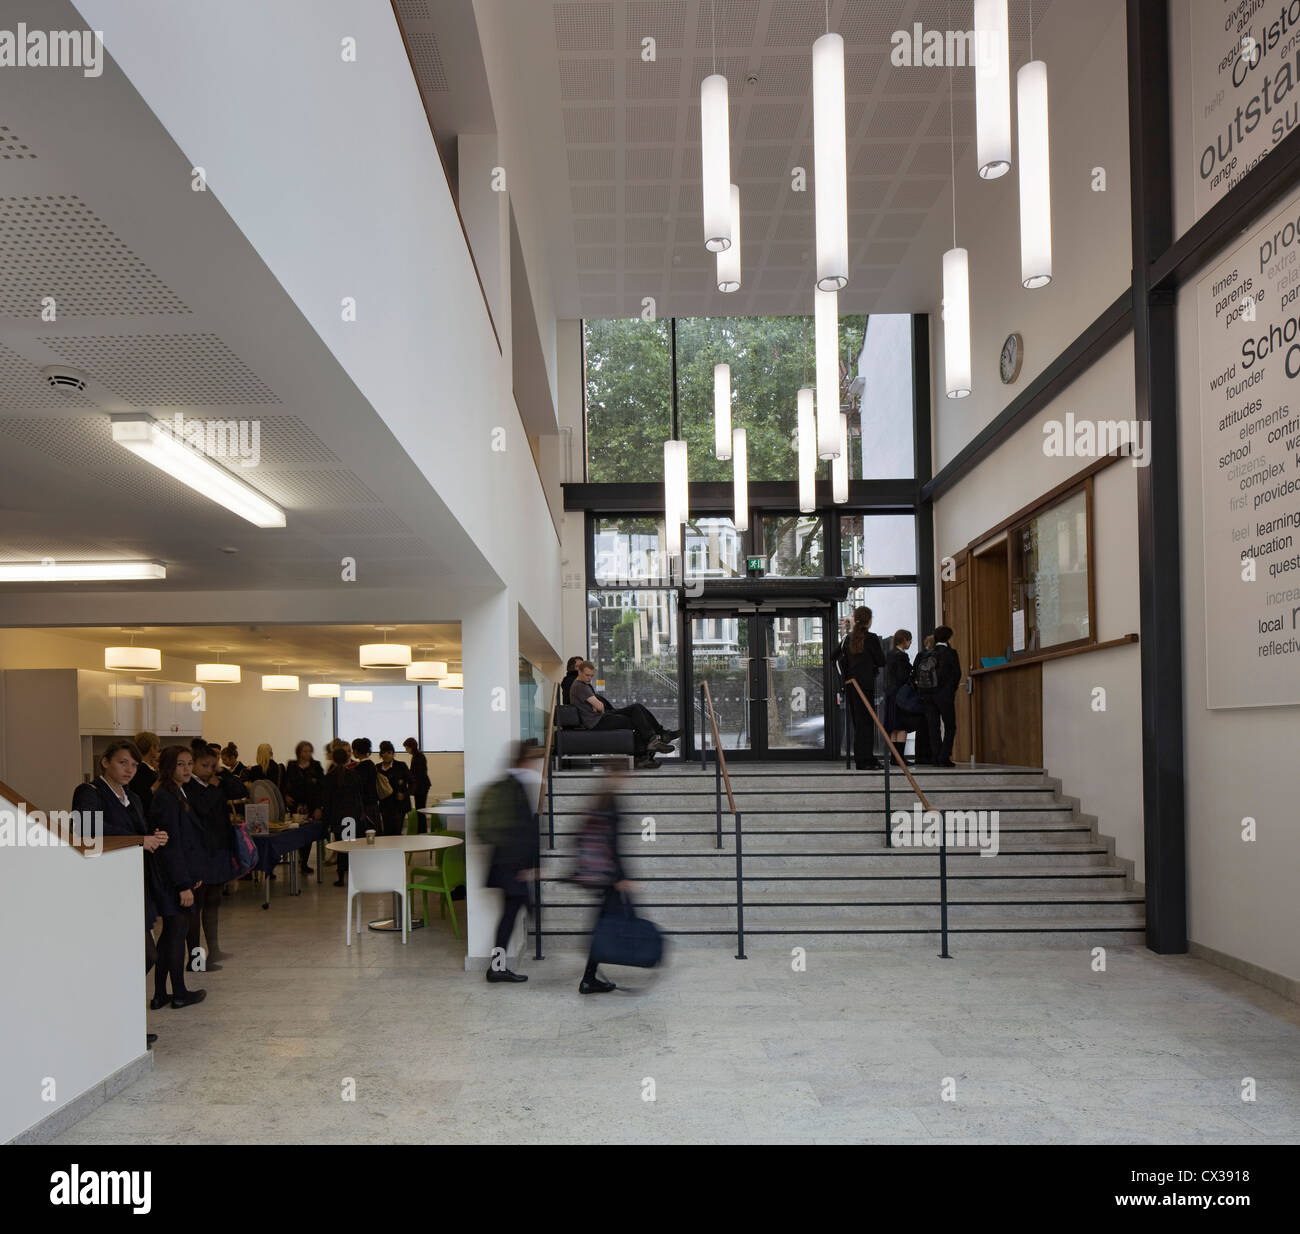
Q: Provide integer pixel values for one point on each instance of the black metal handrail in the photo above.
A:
(721, 778)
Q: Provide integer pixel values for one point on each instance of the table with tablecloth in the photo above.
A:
(271, 848)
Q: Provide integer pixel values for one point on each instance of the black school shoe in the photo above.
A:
(189, 998)
(504, 974)
(596, 986)
(670, 734)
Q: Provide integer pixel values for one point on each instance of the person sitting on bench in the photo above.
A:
(596, 712)
(638, 713)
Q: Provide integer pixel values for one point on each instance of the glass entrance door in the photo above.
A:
(767, 675)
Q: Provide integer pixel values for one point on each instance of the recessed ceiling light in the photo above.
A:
(48, 570)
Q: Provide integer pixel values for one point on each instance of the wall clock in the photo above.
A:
(1013, 353)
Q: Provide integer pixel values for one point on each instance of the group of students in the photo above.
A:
(649, 737)
(181, 801)
(918, 696)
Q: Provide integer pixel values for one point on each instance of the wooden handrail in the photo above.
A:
(105, 843)
(550, 738)
(717, 746)
(893, 749)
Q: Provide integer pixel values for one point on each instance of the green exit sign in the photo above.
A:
(757, 565)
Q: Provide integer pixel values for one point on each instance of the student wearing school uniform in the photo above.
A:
(368, 780)
(110, 798)
(860, 657)
(420, 782)
(266, 768)
(393, 808)
(302, 786)
(147, 747)
(936, 676)
(341, 803)
(213, 859)
(171, 812)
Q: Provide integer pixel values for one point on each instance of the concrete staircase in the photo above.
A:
(817, 869)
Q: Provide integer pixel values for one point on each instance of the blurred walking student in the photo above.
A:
(171, 813)
(506, 818)
(936, 676)
(860, 657)
(110, 796)
(600, 869)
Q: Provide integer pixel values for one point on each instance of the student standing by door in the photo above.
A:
(860, 657)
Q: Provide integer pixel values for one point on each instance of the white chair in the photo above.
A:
(371, 871)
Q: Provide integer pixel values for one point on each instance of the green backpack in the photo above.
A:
(494, 814)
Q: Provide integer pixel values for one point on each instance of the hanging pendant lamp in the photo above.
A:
(729, 259)
(1035, 170)
(133, 659)
(807, 452)
(715, 154)
(675, 494)
(956, 288)
(740, 479)
(826, 320)
(830, 161)
(722, 412)
(840, 465)
(992, 89)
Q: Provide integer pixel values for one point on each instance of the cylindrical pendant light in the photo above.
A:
(807, 453)
(722, 411)
(280, 683)
(992, 89)
(426, 670)
(452, 681)
(217, 674)
(827, 329)
(358, 696)
(956, 323)
(740, 479)
(840, 465)
(715, 158)
(322, 689)
(729, 261)
(831, 186)
(1035, 176)
(385, 655)
(675, 494)
(133, 659)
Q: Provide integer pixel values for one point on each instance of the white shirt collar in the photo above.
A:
(120, 793)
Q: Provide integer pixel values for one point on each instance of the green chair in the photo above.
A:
(412, 822)
(455, 795)
(441, 878)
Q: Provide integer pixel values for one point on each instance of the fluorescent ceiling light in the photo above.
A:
(322, 689)
(280, 683)
(830, 159)
(51, 571)
(153, 442)
(217, 674)
(133, 659)
(426, 670)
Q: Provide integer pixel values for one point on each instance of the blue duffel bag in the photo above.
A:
(621, 937)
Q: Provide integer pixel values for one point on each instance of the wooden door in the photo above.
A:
(956, 613)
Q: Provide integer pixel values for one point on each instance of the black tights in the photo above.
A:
(171, 957)
(207, 902)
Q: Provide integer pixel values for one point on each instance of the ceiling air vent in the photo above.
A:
(62, 377)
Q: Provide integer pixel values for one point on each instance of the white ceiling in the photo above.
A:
(617, 154)
(160, 298)
(326, 651)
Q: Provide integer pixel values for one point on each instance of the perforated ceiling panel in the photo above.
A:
(57, 246)
(315, 488)
(426, 55)
(23, 388)
(26, 546)
(413, 10)
(167, 370)
(80, 441)
(12, 146)
(897, 122)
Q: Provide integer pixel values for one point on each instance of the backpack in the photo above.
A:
(925, 672)
(596, 865)
(493, 816)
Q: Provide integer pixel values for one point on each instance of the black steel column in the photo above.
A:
(1159, 550)
(924, 466)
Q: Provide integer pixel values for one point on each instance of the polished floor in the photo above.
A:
(1031, 1044)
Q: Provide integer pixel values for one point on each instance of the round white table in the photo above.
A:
(455, 806)
(360, 849)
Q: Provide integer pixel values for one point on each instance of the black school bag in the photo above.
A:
(925, 672)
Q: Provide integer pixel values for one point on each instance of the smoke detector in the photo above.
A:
(64, 377)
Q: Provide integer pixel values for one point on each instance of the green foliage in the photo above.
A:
(629, 397)
(624, 640)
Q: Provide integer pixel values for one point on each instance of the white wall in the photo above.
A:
(573, 530)
(72, 972)
(248, 715)
(1078, 742)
